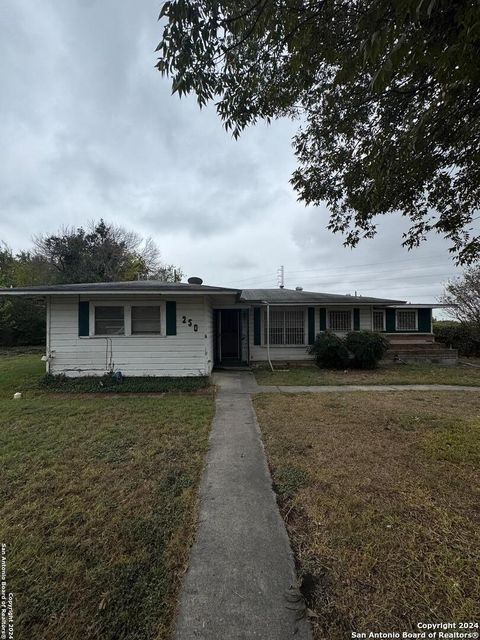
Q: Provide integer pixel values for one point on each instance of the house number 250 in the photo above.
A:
(189, 322)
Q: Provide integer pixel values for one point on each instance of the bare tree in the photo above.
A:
(462, 295)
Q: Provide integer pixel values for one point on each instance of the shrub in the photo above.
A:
(367, 348)
(329, 350)
(128, 384)
(462, 336)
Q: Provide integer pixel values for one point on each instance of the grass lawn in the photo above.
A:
(98, 500)
(380, 494)
(460, 374)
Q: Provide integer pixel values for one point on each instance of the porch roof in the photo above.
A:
(293, 296)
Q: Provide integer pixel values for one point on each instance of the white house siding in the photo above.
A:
(209, 334)
(186, 354)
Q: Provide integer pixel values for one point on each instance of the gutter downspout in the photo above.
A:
(48, 340)
(268, 334)
(267, 304)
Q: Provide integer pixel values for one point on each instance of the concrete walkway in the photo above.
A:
(241, 565)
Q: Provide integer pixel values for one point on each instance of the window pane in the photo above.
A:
(286, 327)
(294, 327)
(406, 320)
(109, 321)
(145, 319)
(378, 324)
(276, 327)
(340, 320)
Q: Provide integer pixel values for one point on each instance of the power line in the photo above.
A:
(261, 278)
(373, 264)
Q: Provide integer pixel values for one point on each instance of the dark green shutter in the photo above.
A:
(323, 319)
(171, 317)
(425, 320)
(390, 320)
(257, 327)
(83, 318)
(311, 325)
(356, 319)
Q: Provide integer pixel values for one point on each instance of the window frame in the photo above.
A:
(384, 319)
(329, 327)
(127, 315)
(415, 311)
(283, 310)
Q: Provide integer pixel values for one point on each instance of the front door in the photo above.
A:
(230, 345)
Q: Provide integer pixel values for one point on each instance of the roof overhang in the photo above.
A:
(125, 292)
(418, 306)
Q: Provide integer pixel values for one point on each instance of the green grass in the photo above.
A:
(19, 372)
(387, 374)
(380, 494)
(98, 502)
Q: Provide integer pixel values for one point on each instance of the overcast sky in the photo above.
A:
(88, 129)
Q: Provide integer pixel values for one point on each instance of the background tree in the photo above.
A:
(462, 296)
(388, 93)
(102, 253)
(22, 320)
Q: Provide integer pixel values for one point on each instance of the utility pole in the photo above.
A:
(281, 277)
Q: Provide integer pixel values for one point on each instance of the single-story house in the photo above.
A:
(152, 328)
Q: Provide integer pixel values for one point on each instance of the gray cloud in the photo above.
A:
(89, 129)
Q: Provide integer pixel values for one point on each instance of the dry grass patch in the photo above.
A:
(381, 497)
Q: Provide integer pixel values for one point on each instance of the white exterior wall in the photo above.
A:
(186, 354)
(209, 334)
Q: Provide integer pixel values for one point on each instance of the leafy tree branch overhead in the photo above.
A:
(387, 93)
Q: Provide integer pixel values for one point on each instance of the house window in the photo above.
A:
(406, 320)
(340, 320)
(145, 320)
(109, 321)
(379, 320)
(286, 327)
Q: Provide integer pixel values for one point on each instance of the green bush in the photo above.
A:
(367, 348)
(462, 336)
(134, 384)
(22, 322)
(329, 350)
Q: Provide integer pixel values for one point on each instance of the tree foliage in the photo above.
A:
(462, 296)
(387, 93)
(102, 253)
